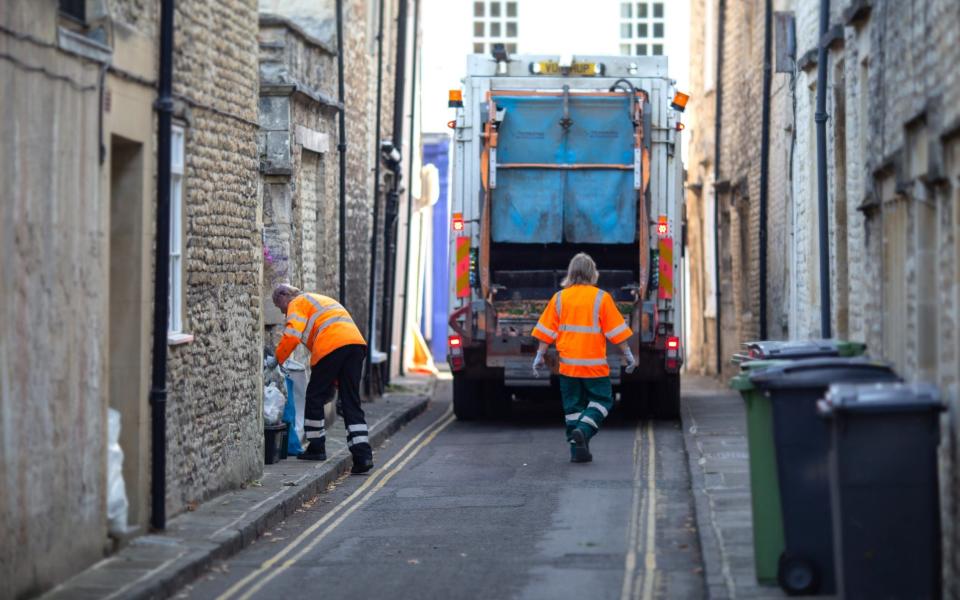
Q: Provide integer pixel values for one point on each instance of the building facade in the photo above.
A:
(254, 199)
(893, 161)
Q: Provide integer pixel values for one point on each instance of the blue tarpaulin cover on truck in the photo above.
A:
(566, 192)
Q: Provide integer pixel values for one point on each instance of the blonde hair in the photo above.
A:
(582, 271)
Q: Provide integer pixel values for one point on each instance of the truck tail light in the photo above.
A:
(673, 361)
(455, 352)
(663, 226)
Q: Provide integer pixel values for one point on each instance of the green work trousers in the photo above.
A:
(586, 403)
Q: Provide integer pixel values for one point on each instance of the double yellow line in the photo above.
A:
(292, 552)
(643, 518)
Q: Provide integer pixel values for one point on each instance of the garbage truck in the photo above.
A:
(554, 156)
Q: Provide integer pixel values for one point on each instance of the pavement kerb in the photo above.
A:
(184, 557)
(711, 550)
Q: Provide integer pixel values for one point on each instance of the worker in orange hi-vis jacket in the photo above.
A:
(337, 351)
(580, 318)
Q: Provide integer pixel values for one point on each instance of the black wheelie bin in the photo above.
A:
(802, 442)
(884, 489)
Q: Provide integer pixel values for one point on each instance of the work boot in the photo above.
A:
(580, 448)
(361, 465)
(315, 451)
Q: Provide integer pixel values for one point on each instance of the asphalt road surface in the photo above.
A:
(490, 509)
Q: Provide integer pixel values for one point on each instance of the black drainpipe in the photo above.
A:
(410, 161)
(393, 197)
(716, 178)
(822, 208)
(161, 274)
(342, 148)
(765, 160)
(372, 304)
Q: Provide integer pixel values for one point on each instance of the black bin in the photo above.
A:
(883, 483)
(274, 443)
(802, 443)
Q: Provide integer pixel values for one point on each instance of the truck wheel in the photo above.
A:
(666, 398)
(634, 400)
(467, 398)
(496, 400)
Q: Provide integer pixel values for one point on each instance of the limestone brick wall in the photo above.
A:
(53, 242)
(215, 438)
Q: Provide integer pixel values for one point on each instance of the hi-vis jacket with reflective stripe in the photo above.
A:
(320, 324)
(580, 319)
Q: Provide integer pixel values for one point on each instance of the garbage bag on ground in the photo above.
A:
(297, 377)
(273, 402)
(117, 504)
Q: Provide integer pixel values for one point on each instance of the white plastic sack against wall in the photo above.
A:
(298, 373)
(117, 504)
(273, 402)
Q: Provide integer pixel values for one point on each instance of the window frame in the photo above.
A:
(175, 316)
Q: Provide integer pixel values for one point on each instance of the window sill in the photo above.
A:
(178, 339)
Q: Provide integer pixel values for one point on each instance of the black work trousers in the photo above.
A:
(343, 366)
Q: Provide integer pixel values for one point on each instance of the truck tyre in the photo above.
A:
(666, 398)
(634, 400)
(467, 398)
(496, 400)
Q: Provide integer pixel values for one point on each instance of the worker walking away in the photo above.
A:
(337, 351)
(580, 318)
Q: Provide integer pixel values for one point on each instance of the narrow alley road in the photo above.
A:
(487, 510)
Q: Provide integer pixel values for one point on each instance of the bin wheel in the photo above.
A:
(468, 401)
(797, 576)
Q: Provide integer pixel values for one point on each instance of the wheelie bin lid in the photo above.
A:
(880, 398)
(798, 349)
(821, 372)
(741, 381)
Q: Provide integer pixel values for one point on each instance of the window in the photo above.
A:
(175, 321)
(658, 49)
(495, 22)
(75, 9)
(636, 19)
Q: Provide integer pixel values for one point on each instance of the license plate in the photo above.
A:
(550, 67)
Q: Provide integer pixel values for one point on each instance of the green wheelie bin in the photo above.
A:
(768, 542)
(768, 537)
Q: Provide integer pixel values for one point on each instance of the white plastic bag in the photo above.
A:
(117, 504)
(273, 401)
(298, 374)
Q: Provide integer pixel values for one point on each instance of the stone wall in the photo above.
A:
(214, 423)
(892, 180)
(52, 349)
